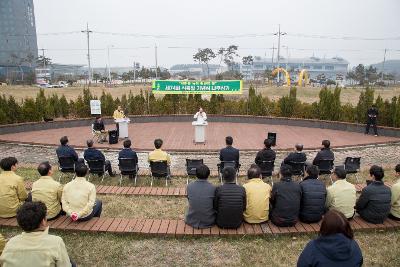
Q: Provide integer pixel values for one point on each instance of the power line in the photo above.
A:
(221, 36)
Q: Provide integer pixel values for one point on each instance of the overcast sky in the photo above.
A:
(180, 27)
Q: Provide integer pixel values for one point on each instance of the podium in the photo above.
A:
(123, 127)
(199, 131)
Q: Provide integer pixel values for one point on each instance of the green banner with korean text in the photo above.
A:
(197, 87)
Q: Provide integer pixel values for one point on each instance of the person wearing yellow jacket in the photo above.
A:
(2, 243)
(12, 188)
(118, 114)
(395, 209)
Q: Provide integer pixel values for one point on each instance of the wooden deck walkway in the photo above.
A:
(156, 191)
(168, 227)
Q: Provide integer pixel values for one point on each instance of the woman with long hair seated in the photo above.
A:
(335, 245)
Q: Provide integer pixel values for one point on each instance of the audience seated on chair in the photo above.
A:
(257, 197)
(297, 156)
(99, 130)
(334, 247)
(35, 246)
(200, 194)
(229, 201)
(64, 150)
(373, 205)
(91, 153)
(229, 153)
(127, 152)
(79, 197)
(285, 199)
(325, 153)
(341, 195)
(12, 188)
(2, 243)
(48, 191)
(395, 209)
(157, 154)
(266, 154)
(313, 196)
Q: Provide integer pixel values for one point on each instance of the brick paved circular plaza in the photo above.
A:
(178, 136)
(31, 147)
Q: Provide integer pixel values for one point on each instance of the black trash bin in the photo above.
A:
(113, 137)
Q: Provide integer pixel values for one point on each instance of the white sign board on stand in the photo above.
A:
(95, 107)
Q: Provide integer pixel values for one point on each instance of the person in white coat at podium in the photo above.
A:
(199, 125)
(201, 116)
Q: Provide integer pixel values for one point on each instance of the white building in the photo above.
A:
(331, 68)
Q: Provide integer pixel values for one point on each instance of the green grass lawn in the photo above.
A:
(30, 174)
(101, 249)
(380, 248)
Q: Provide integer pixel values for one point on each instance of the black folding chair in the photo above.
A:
(325, 167)
(96, 167)
(127, 166)
(66, 166)
(352, 166)
(159, 169)
(191, 166)
(298, 168)
(267, 169)
(224, 164)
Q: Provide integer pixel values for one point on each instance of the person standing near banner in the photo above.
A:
(118, 114)
(201, 116)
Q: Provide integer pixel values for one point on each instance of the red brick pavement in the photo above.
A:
(178, 136)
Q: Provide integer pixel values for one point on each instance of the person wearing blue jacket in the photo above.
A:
(335, 245)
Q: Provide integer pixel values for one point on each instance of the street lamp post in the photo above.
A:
(279, 33)
(108, 59)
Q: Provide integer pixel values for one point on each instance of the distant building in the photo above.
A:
(331, 68)
(194, 70)
(57, 71)
(390, 67)
(18, 43)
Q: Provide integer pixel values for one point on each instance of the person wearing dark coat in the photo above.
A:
(127, 152)
(297, 156)
(98, 124)
(64, 150)
(266, 154)
(372, 117)
(229, 201)
(334, 247)
(229, 153)
(313, 196)
(374, 203)
(325, 153)
(201, 194)
(285, 199)
(92, 153)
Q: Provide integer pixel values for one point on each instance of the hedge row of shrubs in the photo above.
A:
(329, 106)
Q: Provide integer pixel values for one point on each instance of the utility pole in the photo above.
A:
(155, 51)
(43, 58)
(383, 63)
(279, 34)
(88, 32)
(134, 72)
(109, 64)
(44, 65)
